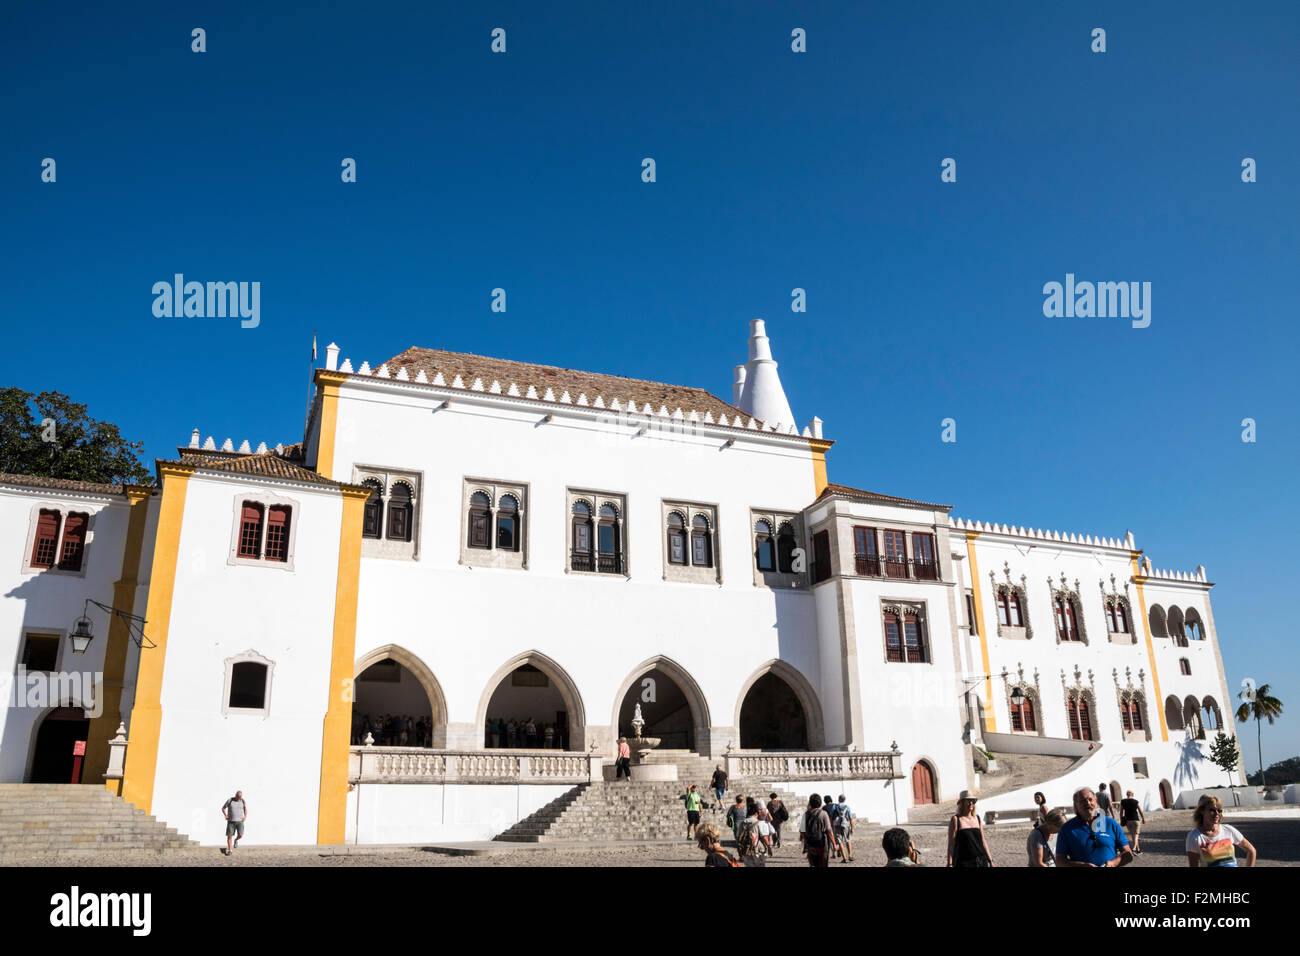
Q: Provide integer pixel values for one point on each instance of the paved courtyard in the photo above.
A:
(1275, 834)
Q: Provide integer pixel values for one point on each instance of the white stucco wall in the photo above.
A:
(443, 813)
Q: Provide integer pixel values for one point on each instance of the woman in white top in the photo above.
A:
(1213, 842)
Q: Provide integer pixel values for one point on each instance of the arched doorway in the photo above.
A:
(532, 690)
(672, 706)
(778, 710)
(924, 790)
(397, 700)
(1115, 795)
(1166, 795)
(60, 746)
(771, 717)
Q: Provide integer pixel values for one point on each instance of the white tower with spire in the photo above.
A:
(757, 389)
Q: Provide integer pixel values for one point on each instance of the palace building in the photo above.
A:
(359, 629)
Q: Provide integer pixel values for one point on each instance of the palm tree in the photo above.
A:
(1262, 705)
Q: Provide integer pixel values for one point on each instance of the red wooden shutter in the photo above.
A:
(47, 539)
(1137, 715)
(893, 642)
(1123, 715)
(1016, 723)
(1073, 709)
(1028, 711)
(1085, 725)
(250, 531)
(74, 541)
(277, 533)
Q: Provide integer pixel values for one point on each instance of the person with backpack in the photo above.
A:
(719, 783)
(736, 816)
(779, 814)
(816, 833)
(751, 838)
(710, 842)
(843, 821)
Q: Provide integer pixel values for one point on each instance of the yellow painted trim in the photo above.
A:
(104, 727)
(336, 734)
(146, 715)
(990, 715)
(328, 383)
(1139, 579)
(819, 448)
(114, 787)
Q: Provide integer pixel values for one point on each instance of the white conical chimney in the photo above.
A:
(763, 397)
(738, 386)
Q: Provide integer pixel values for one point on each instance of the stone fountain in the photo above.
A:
(641, 746)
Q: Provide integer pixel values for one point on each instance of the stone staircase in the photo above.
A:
(40, 819)
(1015, 771)
(619, 810)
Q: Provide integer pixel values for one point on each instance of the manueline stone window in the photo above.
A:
(597, 533)
(390, 524)
(494, 525)
(1011, 602)
(779, 559)
(690, 538)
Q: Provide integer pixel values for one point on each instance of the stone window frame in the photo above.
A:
(690, 573)
(597, 500)
(1139, 696)
(249, 656)
(1089, 699)
(1071, 595)
(1032, 692)
(1021, 590)
(776, 519)
(900, 607)
(1113, 598)
(492, 556)
(64, 509)
(384, 546)
(35, 631)
(268, 500)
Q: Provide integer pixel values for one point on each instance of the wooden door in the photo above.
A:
(922, 783)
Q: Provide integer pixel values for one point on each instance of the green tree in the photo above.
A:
(51, 436)
(1264, 705)
(1224, 753)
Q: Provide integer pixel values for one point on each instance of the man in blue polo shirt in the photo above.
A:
(1092, 838)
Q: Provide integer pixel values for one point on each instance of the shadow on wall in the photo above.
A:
(1189, 758)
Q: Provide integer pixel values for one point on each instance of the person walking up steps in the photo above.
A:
(693, 812)
(816, 833)
(776, 808)
(751, 840)
(843, 821)
(736, 816)
(719, 783)
(624, 762)
(235, 810)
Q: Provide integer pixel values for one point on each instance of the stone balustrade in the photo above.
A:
(419, 765)
(803, 765)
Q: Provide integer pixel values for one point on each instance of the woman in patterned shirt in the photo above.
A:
(1213, 842)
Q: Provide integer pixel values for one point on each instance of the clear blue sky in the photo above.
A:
(775, 170)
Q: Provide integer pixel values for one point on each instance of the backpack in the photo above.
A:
(814, 831)
(731, 818)
(747, 842)
(782, 814)
(841, 819)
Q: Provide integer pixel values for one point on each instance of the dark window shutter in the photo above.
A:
(47, 539)
(822, 555)
(74, 541)
(893, 639)
(277, 533)
(250, 530)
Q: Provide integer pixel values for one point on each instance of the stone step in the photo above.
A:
(59, 818)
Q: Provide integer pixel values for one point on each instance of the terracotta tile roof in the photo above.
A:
(523, 374)
(268, 465)
(59, 484)
(858, 494)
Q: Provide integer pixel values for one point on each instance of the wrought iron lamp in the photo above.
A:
(83, 632)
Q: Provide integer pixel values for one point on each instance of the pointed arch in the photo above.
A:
(695, 699)
(421, 672)
(803, 690)
(566, 686)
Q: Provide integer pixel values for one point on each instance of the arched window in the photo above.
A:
(785, 548)
(701, 542)
(676, 539)
(1010, 613)
(581, 558)
(480, 520)
(250, 530)
(277, 533)
(1117, 616)
(1213, 719)
(1184, 666)
(1080, 721)
(1022, 717)
(1157, 619)
(1192, 623)
(1176, 627)
(508, 523)
(399, 512)
(905, 638)
(74, 541)
(372, 522)
(1130, 712)
(764, 547)
(1067, 626)
(1173, 713)
(47, 538)
(607, 540)
(1192, 718)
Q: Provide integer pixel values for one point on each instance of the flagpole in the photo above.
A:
(311, 374)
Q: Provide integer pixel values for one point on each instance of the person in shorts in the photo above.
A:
(1131, 819)
(692, 811)
(235, 810)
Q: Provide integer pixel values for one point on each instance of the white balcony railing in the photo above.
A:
(418, 765)
(802, 765)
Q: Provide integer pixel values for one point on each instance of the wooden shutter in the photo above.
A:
(277, 533)
(399, 513)
(47, 539)
(893, 639)
(74, 541)
(822, 555)
(250, 530)
(372, 521)
(1085, 724)
(1027, 710)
